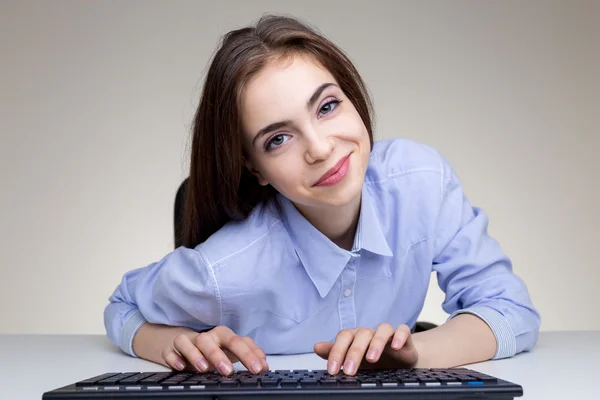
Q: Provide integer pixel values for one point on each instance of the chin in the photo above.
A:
(341, 197)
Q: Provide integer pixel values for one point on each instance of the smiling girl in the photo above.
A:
(302, 234)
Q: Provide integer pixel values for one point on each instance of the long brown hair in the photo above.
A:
(220, 188)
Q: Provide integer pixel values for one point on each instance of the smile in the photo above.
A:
(335, 174)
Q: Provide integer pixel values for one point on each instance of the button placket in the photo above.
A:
(346, 302)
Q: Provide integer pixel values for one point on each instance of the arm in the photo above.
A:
(479, 284)
(464, 339)
(179, 290)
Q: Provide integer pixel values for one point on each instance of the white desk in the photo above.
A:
(563, 365)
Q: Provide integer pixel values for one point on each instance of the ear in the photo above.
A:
(261, 180)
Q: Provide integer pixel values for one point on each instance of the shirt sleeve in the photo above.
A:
(179, 290)
(477, 276)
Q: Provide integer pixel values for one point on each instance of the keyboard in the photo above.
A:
(415, 383)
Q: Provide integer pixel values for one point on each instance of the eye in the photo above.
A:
(328, 107)
(276, 141)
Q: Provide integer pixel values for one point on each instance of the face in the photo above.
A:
(299, 127)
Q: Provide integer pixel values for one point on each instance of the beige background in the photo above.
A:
(96, 102)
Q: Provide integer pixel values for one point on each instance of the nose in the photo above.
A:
(319, 146)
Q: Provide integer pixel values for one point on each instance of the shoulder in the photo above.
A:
(245, 238)
(394, 158)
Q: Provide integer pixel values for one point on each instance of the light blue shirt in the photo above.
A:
(277, 279)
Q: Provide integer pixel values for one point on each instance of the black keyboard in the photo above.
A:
(416, 383)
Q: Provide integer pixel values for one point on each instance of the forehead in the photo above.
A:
(281, 89)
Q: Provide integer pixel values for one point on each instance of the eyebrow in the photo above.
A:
(277, 125)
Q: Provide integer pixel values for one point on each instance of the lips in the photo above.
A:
(333, 170)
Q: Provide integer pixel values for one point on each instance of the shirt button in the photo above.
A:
(347, 292)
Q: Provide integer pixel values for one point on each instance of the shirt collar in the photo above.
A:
(370, 232)
(323, 260)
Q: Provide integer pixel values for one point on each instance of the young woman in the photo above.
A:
(302, 234)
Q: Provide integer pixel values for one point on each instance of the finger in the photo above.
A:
(174, 360)
(400, 337)
(337, 354)
(403, 349)
(207, 345)
(322, 349)
(187, 349)
(227, 339)
(382, 336)
(246, 355)
(357, 349)
(258, 351)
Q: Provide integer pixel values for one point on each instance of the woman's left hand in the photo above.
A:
(384, 348)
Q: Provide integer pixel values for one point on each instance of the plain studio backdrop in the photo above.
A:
(97, 100)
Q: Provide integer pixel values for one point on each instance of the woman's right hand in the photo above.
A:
(216, 349)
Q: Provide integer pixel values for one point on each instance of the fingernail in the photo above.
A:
(202, 365)
(349, 367)
(396, 344)
(255, 367)
(333, 367)
(372, 354)
(224, 368)
(179, 365)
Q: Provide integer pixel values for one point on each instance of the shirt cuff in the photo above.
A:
(133, 324)
(505, 338)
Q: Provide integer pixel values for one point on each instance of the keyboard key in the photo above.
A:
(92, 381)
(174, 380)
(370, 380)
(289, 383)
(192, 381)
(269, 382)
(135, 378)
(448, 379)
(249, 383)
(329, 382)
(156, 378)
(411, 381)
(116, 378)
(486, 378)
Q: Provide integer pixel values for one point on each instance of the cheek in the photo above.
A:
(352, 126)
(283, 173)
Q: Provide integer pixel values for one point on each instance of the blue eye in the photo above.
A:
(329, 107)
(276, 141)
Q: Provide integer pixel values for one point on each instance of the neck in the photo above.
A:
(338, 223)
